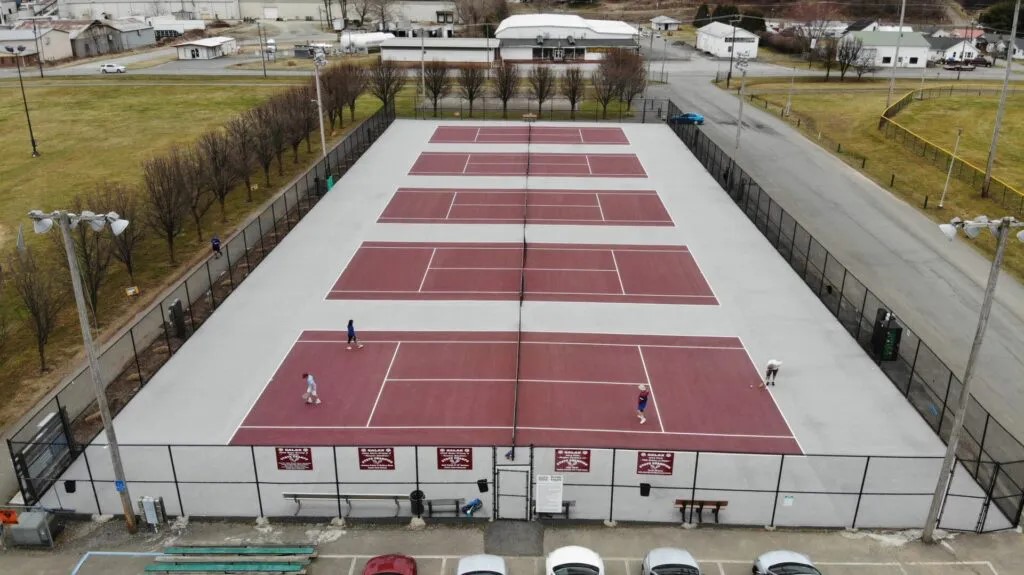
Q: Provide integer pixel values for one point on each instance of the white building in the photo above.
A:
(52, 45)
(114, 9)
(206, 48)
(8, 11)
(718, 40)
(399, 12)
(455, 50)
(913, 48)
(665, 23)
(561, 37)
(949, 48)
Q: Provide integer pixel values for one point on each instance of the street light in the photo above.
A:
(319, 61)
(742, 65)
(971, 228)
(949, 174)
(17, 54)
(42, 222)
(896, 56)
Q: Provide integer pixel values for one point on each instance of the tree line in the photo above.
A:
(179, 188)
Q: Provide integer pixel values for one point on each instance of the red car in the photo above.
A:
(390, 565)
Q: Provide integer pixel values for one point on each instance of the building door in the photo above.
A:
(270, 12)
(512, 492)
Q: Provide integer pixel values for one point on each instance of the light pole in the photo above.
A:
(41, 223)
(664, 55)
(39, 49)
(896, 56)
(732, 50)
(971, 228)
(742, 65)
(319, 61)
(949, 174)
(17, 62)
(263, 51)
(789, 97)
(1002, 103)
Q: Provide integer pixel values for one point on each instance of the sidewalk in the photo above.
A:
(720, 551)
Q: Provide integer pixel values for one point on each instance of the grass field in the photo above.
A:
(90, 134)
(850, 118)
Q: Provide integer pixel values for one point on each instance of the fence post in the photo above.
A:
(860, 316)
(611, 498)
(259, 226)
(337, 480)
(693, 486)
(188, 298)
(842, 286)
(174, 474)
(92, 482)
(209, 277)
(494, 481)
(981, 444)
(256, 476)
(273, 218)
(416, 458)
(860, 492)
(778, 485)
(945, 399)
(245, 244)
(167, 336)
(135, 353)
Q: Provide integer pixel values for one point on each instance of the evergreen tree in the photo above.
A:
(724, 12)
(703, 16)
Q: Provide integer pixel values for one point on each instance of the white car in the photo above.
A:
(481, 565)
(573, 560)
(784, 563)
(669, 561)
(112, 69)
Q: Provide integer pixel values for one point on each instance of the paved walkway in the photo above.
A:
(437, 549)
(935, 286)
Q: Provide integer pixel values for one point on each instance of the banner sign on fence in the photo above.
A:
(454, 458)
(655, 462)
(377, 458)
(549, 494)
(574, 460)
(294, 458)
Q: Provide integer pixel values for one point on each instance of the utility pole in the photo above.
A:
(789, 97)
(319, 61)
(896, 56)
(1002, 103)
(732, 50)
(949, 174)
(742, 65)
(263, 51)
(664, 56)
(39, 49)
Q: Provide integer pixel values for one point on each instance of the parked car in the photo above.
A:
(573, 560)
(959, 66)
(980, 61)
(390, 565)
(481, 565)
(784, 562)
(669, 561)
(112, 69)
(687, 118)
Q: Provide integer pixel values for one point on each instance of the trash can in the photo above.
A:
(416, 503)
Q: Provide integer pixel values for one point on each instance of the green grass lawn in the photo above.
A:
(88, 135)
(851, 119)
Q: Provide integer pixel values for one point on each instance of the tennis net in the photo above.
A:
(522, 296)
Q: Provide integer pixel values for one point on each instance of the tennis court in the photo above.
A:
(527, 134)
(527, 163)
(549, 389)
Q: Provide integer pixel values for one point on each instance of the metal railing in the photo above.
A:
(56, 432)
(993, 456)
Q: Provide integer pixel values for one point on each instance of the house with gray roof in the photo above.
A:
(881, 47)
(665, 23)
(949, 48)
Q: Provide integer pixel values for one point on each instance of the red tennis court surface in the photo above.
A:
(459, 388)
(474, 206)
(526, 134)
(521, 164)
(553, 272)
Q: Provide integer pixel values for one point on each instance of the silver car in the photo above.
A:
(669, 561)
(481, 565)
(784, 562)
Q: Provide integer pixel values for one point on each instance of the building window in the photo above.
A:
(887, 59)
(913, 59)
(445, 17)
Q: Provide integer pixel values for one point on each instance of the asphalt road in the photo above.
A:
(897, 252)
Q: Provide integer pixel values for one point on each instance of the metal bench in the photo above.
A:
(347, 498)
(566, 506)
(455, 504)
(244, 550)
(294, 568)
(699, 505)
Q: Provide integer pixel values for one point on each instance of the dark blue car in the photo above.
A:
(687, 118)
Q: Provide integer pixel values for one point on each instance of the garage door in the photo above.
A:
(270, 13)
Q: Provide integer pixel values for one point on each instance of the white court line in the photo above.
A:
(687, 433)
(590, 171)
(382, 384)
(364, 427)
(600, 209)
(517, 268)
(770, 394)
(448, 214)
(592, 344)
(478, 427)
(509, 380)
(296, 341)
(401, 219)
(426, 271)
(516, 247)
(650, 386)
(455, 379)
(466, 165)
(615, 262)
(528, 292)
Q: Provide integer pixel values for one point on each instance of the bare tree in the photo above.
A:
(506, 85)
(361, 10)
(471, 80)
(262, 119)
(827, 49)
(358, 79)
(344, 10)
(476, 15)
(167, 199)
(634, 82)
(222, 172)
(197, 177)
(125, 201)
(333, 80)
(605, 88)
(297, 109)
(436, 81)
(572, 87)
(93, 250)
(386, 80)
(41, 293)
(280, 113)
(817, 18)
(542, 85)
(381, 11)
(625, 71)
(241, 136)
(865, 63)
(848, 52)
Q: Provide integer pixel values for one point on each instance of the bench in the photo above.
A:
(292, 559)
(699, 505)
(228, 567)
(242, 550)
(455, 504)
(566, 506)
(347, 498)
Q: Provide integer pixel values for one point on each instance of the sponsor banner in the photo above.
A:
(377, 458)
(294, 458)
(655, 462)
(454, 458)
(572, 460)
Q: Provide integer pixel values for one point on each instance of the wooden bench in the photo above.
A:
(347, 498)
(700, 505)
(566, 506)
(455, 504)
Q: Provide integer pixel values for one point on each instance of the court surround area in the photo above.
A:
(672, 288)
